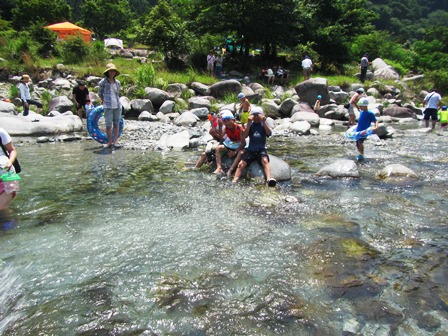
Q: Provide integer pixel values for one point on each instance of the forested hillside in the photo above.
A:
(410, 34)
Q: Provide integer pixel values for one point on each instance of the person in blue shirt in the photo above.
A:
(365, 120)
(257, 129)
(88, 107)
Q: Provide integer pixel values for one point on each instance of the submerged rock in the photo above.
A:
(340, 168)
(397, 170)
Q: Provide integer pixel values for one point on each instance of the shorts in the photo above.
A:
(430, 113)
(112, 116)
(210, 66)
(244, 117)
(360, 141)
(306, 71)
(13, 190)
(250, 156)
(211, 155)
(351, 110)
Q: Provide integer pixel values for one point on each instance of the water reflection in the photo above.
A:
(132, 243)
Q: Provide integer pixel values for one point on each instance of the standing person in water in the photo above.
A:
(366, 118)
(109, 92)
(257, 129)
(8, 154)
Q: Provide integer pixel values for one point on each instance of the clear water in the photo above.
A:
(132, 243)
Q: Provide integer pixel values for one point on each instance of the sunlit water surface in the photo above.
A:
(132, 243)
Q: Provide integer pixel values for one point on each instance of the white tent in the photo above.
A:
(113, 42)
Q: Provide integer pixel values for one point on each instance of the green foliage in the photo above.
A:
(180, 105)
(74, 50)
(46, 98)
(45, 38)
(230, 97)
(106, 17)
(97, 54)
(439, 79)
(21, 49)
(13, 92)
(165, 31)
(146, 75)
(26, 12)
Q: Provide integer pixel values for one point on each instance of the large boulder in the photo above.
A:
(286, 107)
(280, 170)
(301, 107)
(220, 89)
(399, 112)
(397, 170)
(340, 168)
(156, 96)
(61, 84)
(60, 104)
(176, 89)
(6, 107)
(126, 104)
(200, 88)
(140, 105)
(311, 88)
(167, 107)
(200, 112)
(36, 124)
(198, 102)
(310, 117)
(271, 109)
(186, 119)
(384, 71)
(300, 127)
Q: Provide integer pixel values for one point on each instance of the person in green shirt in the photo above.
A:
(443, 117)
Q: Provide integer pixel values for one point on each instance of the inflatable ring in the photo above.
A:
(92, 125)
(351, 133)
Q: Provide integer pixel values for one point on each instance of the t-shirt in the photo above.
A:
(257, 137)
(306, 63)
(24, 91)
(6, 139)
(432, 100)
(80, 95)
(210, 59)
(366, 118)
(364, 62)
(443, 115)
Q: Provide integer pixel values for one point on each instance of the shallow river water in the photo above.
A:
(132, 243)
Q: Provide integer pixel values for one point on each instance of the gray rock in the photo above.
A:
(397, 170)
(126, 104)
(280, 170)
(178, 141)
(310, 89)
(300, 127)
(61, 83)
(146, 116)
(140, 105)
(23, 126)
(42, 139)
(167, 107)
(156, 96)
(6, 107)
(310, 117)
(200, 88)
(286, 107)
(301, 107)
(60, 104)
(384, 71)
(399, 112)
(186, 119)
(271, 109)
(198, 102)
(340, 168)
(201, 112)
(220, 89)
(339, 97)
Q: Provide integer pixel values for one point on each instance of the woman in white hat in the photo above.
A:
(109, 92)
(25, 95)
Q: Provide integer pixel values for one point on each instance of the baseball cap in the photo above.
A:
(444, 107)
(256, 110)
(363, 102)
(319, 97)
(227, 115)
(241, 95)
(360, 90)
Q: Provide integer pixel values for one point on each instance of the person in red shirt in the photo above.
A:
(233, 143)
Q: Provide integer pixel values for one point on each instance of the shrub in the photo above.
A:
(14, 92)
(45, 98)
(97, 54)
(22, 49)
(146, 75)
(74, 50)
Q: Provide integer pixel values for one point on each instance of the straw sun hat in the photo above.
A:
(110, 66)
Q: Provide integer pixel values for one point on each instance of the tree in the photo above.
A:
(255, 22)
(106, 17)
(332, 26)
(27, 12)
(164, 30)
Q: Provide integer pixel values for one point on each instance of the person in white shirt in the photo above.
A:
(25, 95)
(210, 63)
(432, 101)
(307, 66)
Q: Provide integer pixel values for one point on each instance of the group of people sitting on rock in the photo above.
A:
(269, 75)
(244, 141)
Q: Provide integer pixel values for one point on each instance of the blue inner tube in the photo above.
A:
(93, 129)
(353, 135)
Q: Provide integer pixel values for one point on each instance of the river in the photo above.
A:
(133, 243)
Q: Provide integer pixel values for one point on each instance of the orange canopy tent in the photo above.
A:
(67, 29)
